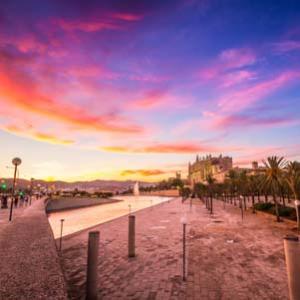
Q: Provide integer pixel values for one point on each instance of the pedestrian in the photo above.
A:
(16, 201)
(4, 202)
(22, 200)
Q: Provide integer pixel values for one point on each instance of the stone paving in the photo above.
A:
(227, 258)
(29, 264)
(4, 214)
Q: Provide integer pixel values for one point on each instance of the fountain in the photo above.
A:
(136, 189)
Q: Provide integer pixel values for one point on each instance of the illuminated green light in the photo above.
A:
(3, 186)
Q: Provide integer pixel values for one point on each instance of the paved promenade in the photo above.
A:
(227, 259)
(29, 264)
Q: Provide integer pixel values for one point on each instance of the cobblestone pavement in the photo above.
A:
(4, 214)
(227, 259)
(29, 264)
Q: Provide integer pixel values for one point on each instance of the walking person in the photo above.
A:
(16, 200)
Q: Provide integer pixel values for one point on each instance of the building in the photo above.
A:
(202, 167)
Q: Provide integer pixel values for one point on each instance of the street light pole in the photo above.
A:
(31, 187)
(16, 162)
(184, 222)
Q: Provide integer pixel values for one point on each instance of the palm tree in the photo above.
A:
(293, 177)
(253, 187)
(274, 168)
(210, 182)
(243, 185)
(232, 179)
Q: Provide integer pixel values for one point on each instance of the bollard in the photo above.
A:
(61, 233)
(131, 236)
(292, 258)
(92, 264)
(183, 256)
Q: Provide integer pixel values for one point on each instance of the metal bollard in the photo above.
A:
(131, 236)
(292, 258)
(92, 264)
(61, 233)
(183, 256)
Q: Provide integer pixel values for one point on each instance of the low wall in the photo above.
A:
(54, 205)
(168, 193)
(29, 263)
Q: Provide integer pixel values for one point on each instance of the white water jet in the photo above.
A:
(136, 189)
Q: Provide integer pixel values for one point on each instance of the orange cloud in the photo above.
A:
(180, 148)
(23, 94)
(143, 172)
(40, 136)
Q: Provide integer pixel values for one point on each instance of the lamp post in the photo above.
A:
(183, 222)
(61, 233)
(241, 207)
(16, 162)
(31, 187)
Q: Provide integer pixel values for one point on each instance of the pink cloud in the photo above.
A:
(237, 58)
(228, 61)
(237, 77)
(154, 99)
(286, 46)
(259, 153)
(238, 100)
(127, 16)
(238, 121)
(86, 26)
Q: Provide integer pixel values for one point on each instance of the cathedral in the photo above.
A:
(216, 166)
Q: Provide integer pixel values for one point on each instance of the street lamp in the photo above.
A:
(241, 206)
(31, 187)
(16, 162)
(183, 221)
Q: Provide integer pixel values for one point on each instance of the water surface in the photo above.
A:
(79, 219)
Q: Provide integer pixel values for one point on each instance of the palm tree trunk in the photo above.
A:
(283, 199)
(276, 208)
(266, 198)
(211, 204)
(245, 206)
(253, 200)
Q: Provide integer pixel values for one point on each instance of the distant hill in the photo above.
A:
(107, 185)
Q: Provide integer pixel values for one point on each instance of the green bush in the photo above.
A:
(288, 212)
(263, 206)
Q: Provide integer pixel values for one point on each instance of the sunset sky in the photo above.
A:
(135, 89)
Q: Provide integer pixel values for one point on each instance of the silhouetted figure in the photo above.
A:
(3, 201)
(16, 201)
(22, 200)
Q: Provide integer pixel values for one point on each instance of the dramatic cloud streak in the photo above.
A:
(180, 148)
(154, 172)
